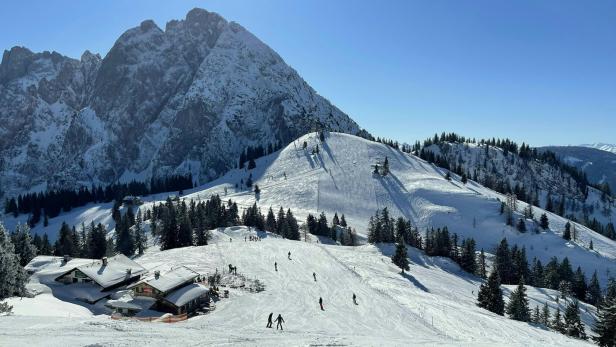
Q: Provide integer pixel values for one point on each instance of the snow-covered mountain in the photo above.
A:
(599, 165)
(184, 99)
(340, 179)
(532, 179)
(602, 146)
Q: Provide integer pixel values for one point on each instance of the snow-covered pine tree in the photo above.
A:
(140, 236)
(557, 322)
(536, 318)
(605, 326)
(336, 219)
(13, 277)
(517, 307)
(22, 242)
(343, 221)
(573, 324)
(490, 296)
(545, 315)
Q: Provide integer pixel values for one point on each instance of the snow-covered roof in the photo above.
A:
(119, 268)
(52, 265)
(187, 293)
(171, 279)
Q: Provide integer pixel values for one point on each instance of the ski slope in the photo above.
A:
(433, 304)
(340, 179)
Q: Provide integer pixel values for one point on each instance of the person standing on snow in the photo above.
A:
(321, 303)
(276, 266)
(289, 255)
(269, 320)
(315, 276)
(354, 299)
(280, 321)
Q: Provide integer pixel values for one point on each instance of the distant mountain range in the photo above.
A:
(186, 99)
(602, 146)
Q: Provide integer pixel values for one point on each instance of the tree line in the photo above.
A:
(50, 203)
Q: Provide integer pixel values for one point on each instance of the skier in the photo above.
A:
(280, 321)
(289, 255)
(354, 299)
(315, 276)
(269, 320)
(276, 266)
(321, 303)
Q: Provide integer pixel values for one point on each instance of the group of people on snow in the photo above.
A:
(252, 238)
(279, 320)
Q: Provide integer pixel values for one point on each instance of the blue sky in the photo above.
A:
(543, 72)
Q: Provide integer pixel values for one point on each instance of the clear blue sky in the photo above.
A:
(543, 72)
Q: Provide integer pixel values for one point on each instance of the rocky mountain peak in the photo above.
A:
(184, 100)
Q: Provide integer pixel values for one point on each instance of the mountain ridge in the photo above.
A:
(184, 100)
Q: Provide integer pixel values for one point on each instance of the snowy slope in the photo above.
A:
(602, 146)
(339, 179)
(434, 304)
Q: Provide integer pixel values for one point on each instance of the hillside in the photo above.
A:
(599, 165)
(340, 179)
(546, 182)
(186, 99)
(433, 304)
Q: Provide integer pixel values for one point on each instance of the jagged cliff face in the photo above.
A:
(185, 99)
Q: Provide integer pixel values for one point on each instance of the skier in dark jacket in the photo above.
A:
(269, 320)
(279, 321)
(276, 266)
(355, 299)
(314, 275)
(289, 255)
(321, 303)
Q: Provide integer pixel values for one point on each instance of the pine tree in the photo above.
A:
(490, 296)
(23, 246)
(45, 246)
(517, 307)
(385, 170)
(594, 290)
(536, 318)
(482, 265)
(125, 242)
(343, 221)
(281, 224)
(335, 220)
(545, 315)
(140, 236)
(567, 232)
(544, 223)
(13, 277)
(270, 221)
(521, 226)
(399, 258)
(557, 322)
(292, 232)
(573, 324)
(503, 262)
(605, 326)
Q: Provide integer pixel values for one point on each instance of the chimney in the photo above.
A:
(66, 258)
(104, 261)
(156, 274)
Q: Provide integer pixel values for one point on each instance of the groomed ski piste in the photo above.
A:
(432, 304)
